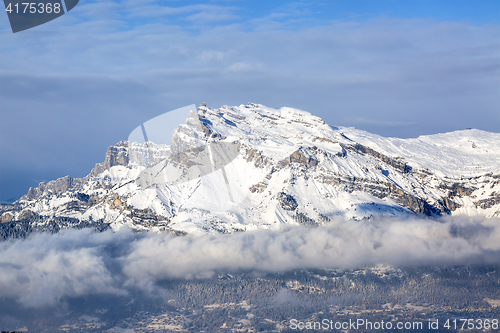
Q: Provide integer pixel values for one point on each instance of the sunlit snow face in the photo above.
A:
(201, 159)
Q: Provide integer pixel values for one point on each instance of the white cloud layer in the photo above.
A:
(45, 269)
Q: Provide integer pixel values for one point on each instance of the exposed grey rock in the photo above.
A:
(287, 202)
(302, 157)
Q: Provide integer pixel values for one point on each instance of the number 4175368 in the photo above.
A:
(470, 324)
(33, 7)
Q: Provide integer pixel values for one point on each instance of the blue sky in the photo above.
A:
(74, 86)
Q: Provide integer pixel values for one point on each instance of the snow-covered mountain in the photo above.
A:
(250, 166)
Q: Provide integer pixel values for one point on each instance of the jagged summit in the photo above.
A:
(246, 167)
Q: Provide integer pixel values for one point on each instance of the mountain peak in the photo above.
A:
(245, 167)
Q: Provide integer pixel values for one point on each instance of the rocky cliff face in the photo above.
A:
(129, 154)
(252, 167)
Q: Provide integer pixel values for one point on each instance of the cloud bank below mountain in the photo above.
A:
(45, 269)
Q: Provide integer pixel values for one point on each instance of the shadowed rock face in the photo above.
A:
(53, 187)
(115, 155)
(287, 202)
(127, 154)
(489, 202)
(449, 205)
(395, 163)
(457, 189)
(299, 156)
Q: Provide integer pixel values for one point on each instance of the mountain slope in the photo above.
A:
(248, 167)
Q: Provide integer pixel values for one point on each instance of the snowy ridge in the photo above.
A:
(250, 166)
(465, 153)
